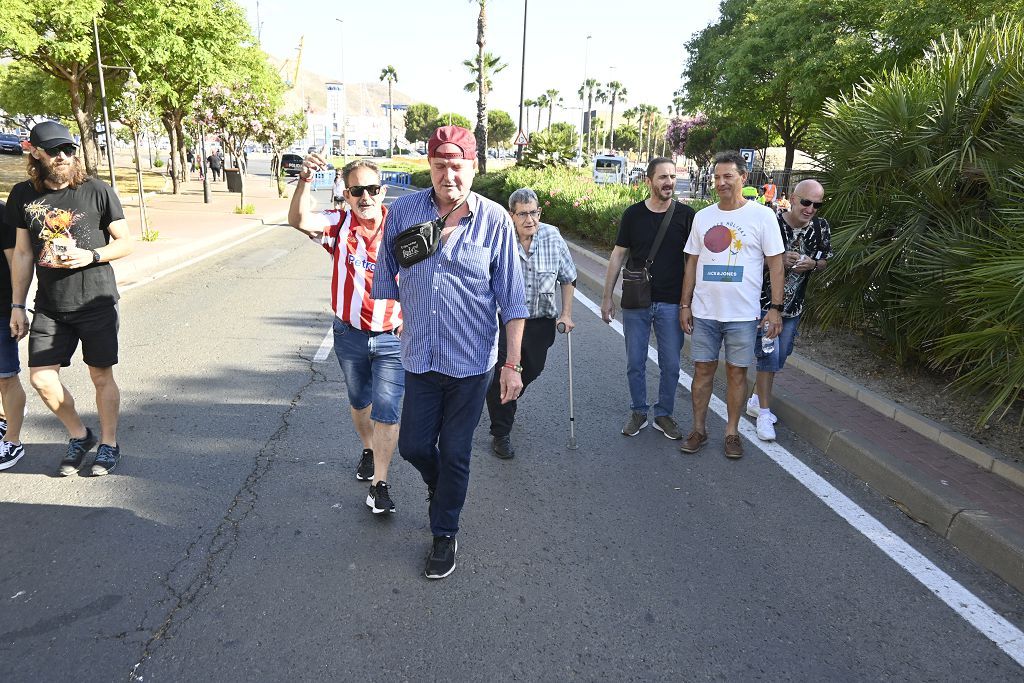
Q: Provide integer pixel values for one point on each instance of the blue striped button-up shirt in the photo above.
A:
(451, 299)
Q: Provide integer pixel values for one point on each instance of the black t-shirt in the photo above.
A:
(81, 214)
(8, 237)
(637, 230)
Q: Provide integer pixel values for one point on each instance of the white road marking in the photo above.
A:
(1005, 635)
(325, 347)
(192, 261)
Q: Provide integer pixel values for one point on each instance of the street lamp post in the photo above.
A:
(344, 95)
(522, 85)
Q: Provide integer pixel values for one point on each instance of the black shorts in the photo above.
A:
(54, 337)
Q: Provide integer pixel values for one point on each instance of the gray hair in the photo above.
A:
(523, 195)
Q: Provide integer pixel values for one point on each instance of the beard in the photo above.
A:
(68, 172)
(60, 173)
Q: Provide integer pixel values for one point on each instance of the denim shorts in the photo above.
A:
(372, 365)
(9, 365)
(774, 361)
(707, 337)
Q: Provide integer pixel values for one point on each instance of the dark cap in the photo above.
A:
(455, 135)
(50, 134)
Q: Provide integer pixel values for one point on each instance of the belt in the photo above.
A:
(368, 333)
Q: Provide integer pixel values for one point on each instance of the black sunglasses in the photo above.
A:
(68, 149)
(358, 190)
(808, 202)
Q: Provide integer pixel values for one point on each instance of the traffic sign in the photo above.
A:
(521, 140)
(748, 156)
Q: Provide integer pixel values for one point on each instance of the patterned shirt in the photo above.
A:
(813, 240)
(547, 263)
(355, 257)
(450, 300)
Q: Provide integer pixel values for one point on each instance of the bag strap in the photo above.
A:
(661, 233)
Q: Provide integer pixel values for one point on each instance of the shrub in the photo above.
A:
(247, 209)
(925, 177)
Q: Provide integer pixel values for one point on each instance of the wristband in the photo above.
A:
(306, 180)
(517, 368)
(684, 305)
(21, 306)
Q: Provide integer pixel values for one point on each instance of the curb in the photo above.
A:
(126, 273)
(981, 537)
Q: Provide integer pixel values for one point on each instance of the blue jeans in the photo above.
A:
(636, 327)
(436, 437)
(775, 361)
(373, 371)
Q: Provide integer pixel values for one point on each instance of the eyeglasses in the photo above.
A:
(68, 149)
(358, 190)
(523, 215)
(808, 202)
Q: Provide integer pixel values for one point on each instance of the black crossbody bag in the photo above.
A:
(636, 284)
(414, 244)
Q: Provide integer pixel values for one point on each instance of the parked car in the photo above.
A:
(10, 144)
(291, 164)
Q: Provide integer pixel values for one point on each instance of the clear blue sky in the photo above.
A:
(639, 43)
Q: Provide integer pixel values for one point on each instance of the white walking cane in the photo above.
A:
(572, 413)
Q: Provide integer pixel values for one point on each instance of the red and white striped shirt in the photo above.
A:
(353, 249)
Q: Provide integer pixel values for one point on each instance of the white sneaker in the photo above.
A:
(765, 427)
(754, 409)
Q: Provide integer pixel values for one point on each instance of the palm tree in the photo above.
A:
(602, 97)
(588, 87)
(527, 103)
(483, 84)
(553, 99)
(618, 92)
(541, 103)
(389, 74)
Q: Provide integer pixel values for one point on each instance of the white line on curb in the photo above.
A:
(192, 261)
(1005, 635)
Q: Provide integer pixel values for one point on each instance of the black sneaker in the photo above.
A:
(441, 560)
(10, 454)
(77, 448)
(107, 457)
(379, 499)
(365, 470)
(502, 447)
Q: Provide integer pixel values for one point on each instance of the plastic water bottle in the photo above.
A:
(767, 345)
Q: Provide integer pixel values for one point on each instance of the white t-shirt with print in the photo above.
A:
(730, 247)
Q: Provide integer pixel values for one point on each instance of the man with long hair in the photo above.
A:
(69, 226)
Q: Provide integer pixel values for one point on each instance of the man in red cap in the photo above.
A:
(450, 301)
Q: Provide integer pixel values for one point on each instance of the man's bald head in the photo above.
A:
(807, 198)
(810, 189)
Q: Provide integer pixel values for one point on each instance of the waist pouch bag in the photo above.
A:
(636, 284)
(420, 241)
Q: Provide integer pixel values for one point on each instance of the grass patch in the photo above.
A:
(247, 209)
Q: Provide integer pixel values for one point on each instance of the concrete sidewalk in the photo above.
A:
(934, 475)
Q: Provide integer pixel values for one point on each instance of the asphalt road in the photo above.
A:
(233, 542)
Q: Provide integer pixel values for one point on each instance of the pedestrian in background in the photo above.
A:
(366, 330)
(216, 162)
(71, 226)
(638, 230)
(807, 240)
(450, 300)
(546, 266)
(729, 245)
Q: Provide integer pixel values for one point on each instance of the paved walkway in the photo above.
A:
(937, 477)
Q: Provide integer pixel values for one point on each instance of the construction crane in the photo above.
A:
(298, 64)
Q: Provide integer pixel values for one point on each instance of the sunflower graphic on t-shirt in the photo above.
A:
(55, 232)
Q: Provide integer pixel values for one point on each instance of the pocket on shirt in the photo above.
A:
(472, 261)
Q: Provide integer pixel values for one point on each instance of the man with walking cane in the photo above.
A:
(545, 261)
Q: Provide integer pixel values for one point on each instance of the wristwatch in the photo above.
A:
(95, 256)
(777, 307)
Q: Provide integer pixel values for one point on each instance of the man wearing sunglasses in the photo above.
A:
(70, 227)
(808, 243)
(366, 330)
(450, 301)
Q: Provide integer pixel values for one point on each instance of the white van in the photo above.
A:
(610, 169)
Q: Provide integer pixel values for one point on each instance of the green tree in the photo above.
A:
(541, 103)
(280, 131)
(451, 119)
(547, 151)
(553, 98)
(588, 87)
(500, 127)
(389, 74)
(27, 92)
(484, 65)
(527, 105)
(420, 121)
(617, 92)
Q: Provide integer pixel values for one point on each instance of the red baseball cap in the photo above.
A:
(455, 135)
